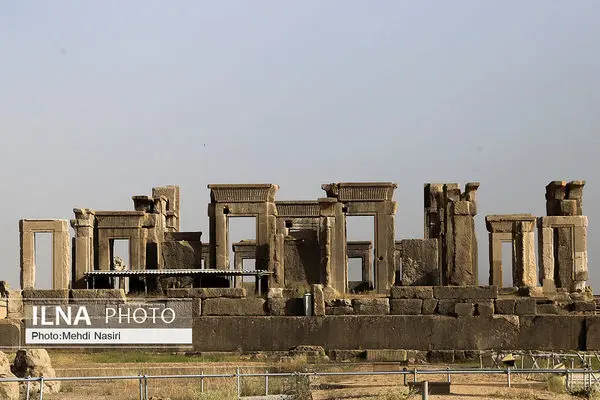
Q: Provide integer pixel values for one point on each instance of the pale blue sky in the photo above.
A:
(103, 100)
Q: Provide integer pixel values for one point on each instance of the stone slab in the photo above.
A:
(113, 295)
(484, 308)
(419, 262)
(429, 306)
(206, 293)
(505, 306)
(465, 292)
(376, 306)
(225, 306)
(464, 309)
(282, 306)
(10, 333)
(411, 292)
(525, 306)
(406, 306)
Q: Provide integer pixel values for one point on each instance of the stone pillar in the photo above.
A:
(332, 277)
(218, 236)
(84, 246)
(61, 256)
(581, 262)
(266, 235)
(27, 239)
(495, 259)
(546, 254)
(524, 254)
(464, 269)
(239, 265)
(384, 245)
(340, 247)
(367, 268)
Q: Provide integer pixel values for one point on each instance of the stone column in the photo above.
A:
(339, 248)
(367, 266)
(546, 254)
(218, 236)
(463, 271)
(563, 251)
(384, 246)
(84, 246)
(327, 240)
(27, 239)
(581, 262)
(238, 261)
(524, 254)
(495, 259)
(61, 256)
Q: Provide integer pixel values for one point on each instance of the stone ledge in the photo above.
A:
(207, 293)
(465, 292)
(411, 292)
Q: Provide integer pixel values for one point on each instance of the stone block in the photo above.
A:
(484, 308)
(550, 308)
(318, 298)
(429, 306)
(419, 262)
(374, 306)
(440, 356)
(85, 295)
(10, 333)
(411, 292)
(339, 310)
(583, 306)
(281, 306)
(45, 296)
(592, 324)
(505, 306)
(446, 306)
(525, 306)
(14, 304)
(465, 292)
(3, 308)
(207, 293)
(275, 293)
(386, 355)
(406, 306)
(464, 309)
(226, 306)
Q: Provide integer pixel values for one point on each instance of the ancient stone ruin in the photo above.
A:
(408, 286)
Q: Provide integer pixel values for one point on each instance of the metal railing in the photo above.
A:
(588, 376)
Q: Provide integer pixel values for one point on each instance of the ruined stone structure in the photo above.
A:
(409, 286)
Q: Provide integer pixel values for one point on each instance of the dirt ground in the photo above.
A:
(382, 387)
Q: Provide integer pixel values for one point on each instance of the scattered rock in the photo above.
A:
(35, 363)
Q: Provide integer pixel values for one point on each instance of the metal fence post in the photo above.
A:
(41, 388)
(448, 369)
(28, 388)
(141, 388)
(425, 390)
(201, 381)
(508, 376)
(415, 374)
(145, 388)
(266, 383)
(404, 374)
(239, 389)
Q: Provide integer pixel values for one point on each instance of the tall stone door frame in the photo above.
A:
(517, 229)
(61, 253)
(371, 199)
(247, 200)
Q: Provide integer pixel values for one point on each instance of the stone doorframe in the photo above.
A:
(248, 200)
(364, 251)
(61, 253)
(244, 250)
(369, 199)
(574, 274)
(517, 229)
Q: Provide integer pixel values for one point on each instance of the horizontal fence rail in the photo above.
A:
(588, 377)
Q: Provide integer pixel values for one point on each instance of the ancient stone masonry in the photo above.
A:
(562, 237)
(302, 294)
(367, 199)
(517, 229)
(449, 217)
(256, 200)
(61, 254)
(145, 229)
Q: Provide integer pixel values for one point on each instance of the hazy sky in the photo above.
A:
(103, 100)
